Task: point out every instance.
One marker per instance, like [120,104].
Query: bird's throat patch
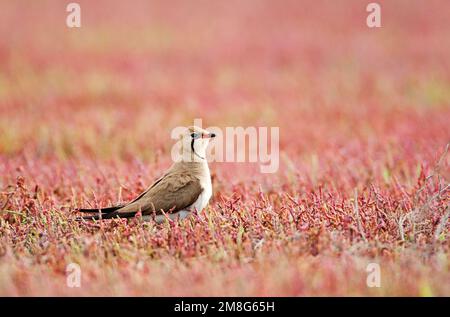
[193,149]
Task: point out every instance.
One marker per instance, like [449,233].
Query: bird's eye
[194,135]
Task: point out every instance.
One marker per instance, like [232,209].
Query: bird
[183,189]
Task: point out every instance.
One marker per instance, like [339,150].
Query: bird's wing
[173,192]
[146,191]
[111,209]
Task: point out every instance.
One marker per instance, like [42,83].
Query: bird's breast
[204,197]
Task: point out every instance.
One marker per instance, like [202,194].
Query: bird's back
[177,189]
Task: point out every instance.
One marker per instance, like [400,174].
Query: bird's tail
[100,213]
[106,210]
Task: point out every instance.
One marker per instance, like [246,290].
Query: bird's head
[194,143]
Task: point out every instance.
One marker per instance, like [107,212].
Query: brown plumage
[178,189]
[186,186]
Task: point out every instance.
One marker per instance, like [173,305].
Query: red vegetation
[86,115]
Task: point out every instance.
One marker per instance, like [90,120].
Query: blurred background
[114,88]
[86,115]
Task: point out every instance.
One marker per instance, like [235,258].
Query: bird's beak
[208,135]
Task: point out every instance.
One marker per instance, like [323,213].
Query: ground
[85,120]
